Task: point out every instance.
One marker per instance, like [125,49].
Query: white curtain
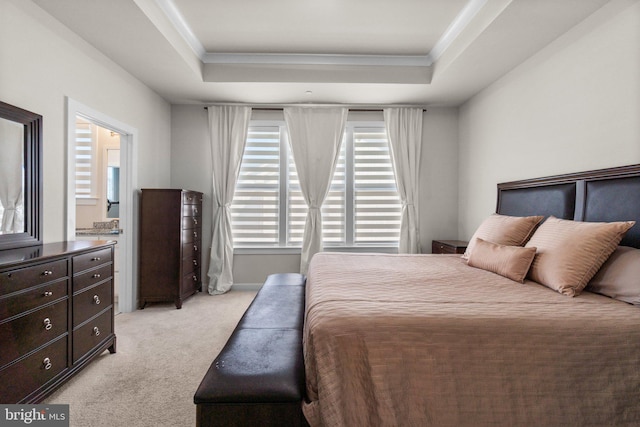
[404,129]
[12,143]
[315,135]
[228,127]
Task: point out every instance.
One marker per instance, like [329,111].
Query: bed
[444,340]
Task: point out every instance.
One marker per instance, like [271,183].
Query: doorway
[97,189]
[101,190]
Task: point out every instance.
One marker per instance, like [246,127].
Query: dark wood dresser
[448,246]
[56,315]
[170,238]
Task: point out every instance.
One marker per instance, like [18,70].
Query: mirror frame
[32,197]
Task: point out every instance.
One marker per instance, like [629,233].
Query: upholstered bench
[258,377]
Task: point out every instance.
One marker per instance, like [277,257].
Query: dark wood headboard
[601,195]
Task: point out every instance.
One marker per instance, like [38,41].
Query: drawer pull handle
[195,211]
[47,324]
[46,362]
[96,276]
[96,331]
[195,262]
[195,278]
[195,234]
[47,273]
[195,221]
[96,299]
[47,293]
[95,258]
[195,248]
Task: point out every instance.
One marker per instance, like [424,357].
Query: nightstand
[448,246]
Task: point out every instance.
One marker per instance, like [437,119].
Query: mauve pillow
[571,252]
[504,230]
[619,276]
[512,262]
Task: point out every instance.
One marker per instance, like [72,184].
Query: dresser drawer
[92,334]
[190,222]
[33,298]
[191,280]
[90,302]
[26,333]
[92,277]
[190,235]
[191,210]
[191,250]
[190,265]
[91,259]
[22,278]
[191,198]
[20,379]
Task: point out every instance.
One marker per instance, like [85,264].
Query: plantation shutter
[85,159]
[255,209]
[362,207]
[377,206]
[333,208]
[296,206]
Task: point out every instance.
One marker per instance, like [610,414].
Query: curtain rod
[356,108]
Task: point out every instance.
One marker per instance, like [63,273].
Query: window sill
[296,251]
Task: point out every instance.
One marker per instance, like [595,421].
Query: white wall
[574,106]
[42,63]
[439,176]
[191,169]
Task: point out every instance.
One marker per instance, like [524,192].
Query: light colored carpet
[162,355]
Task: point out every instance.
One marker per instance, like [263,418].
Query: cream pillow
[512,262]
[504,230]
[571,252]
[619,277]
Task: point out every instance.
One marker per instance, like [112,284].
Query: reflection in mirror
[20,177]
[11,177]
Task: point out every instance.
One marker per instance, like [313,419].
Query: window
[377,206]
[85,159]
[256,206]
[361,209]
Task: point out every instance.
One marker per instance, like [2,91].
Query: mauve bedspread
[425,340]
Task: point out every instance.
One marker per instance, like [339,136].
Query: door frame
[127,292]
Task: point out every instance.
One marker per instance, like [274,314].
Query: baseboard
[247,286]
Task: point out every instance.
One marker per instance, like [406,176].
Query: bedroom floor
[162,355]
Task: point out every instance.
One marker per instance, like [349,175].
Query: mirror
[20,177]
[113,184]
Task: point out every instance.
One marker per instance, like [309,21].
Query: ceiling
[369,52]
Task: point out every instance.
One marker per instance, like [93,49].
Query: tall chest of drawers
[170,240]
[56,315]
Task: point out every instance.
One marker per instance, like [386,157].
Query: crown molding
[460,22]
[316,59]
[169,8]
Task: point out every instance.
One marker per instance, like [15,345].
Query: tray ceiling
[423,52]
